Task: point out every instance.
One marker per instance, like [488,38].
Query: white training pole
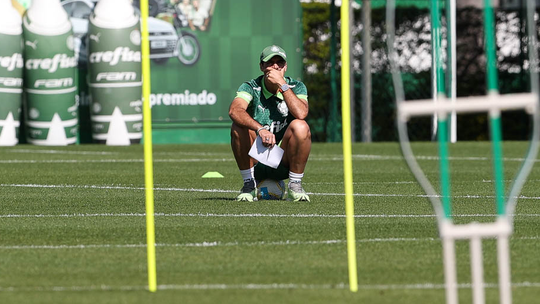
[453,77]
[503,257]
[477,270]
[450,273]
[472,104]
[434,79]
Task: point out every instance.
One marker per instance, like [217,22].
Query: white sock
[248,174]
[295,177]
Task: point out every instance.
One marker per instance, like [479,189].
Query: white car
[162,35]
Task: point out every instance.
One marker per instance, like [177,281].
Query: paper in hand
[268,156]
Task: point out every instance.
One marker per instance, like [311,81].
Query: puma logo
[95,37]
[32,44]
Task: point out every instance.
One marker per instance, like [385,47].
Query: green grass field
[73,227]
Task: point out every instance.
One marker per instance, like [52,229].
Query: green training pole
[347,154]
[498,166]
[436,47]
[444,166]
[333,116]
[442,119]
[148,158]
[489,29]
[494,116]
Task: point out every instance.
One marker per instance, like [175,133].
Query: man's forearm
[297,107]
[242,118]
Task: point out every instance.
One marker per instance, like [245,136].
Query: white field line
[236,191]
[115,187]
[61,152]
[75,161]
[216,159]
[399,157]
[413,182]
[367,183]
[247,215]
[235,244]
[202,244]
[196,153]
[253,286]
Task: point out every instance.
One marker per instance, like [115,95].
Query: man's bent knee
[300,127]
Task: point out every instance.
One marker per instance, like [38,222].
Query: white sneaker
[248,192]
[296,193]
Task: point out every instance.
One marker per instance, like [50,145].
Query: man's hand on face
[275,77]
[274,72]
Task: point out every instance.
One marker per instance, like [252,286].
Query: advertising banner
[50,69]
[201,51]
[11,73]
[114,73]
[218,48]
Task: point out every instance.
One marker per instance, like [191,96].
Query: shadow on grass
[219,198]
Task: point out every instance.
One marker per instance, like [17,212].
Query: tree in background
[414,48]
[316,32]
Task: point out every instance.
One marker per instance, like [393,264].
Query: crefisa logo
[120,54]
[12,62]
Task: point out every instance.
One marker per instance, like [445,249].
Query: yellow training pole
[347,158]
[148,159]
